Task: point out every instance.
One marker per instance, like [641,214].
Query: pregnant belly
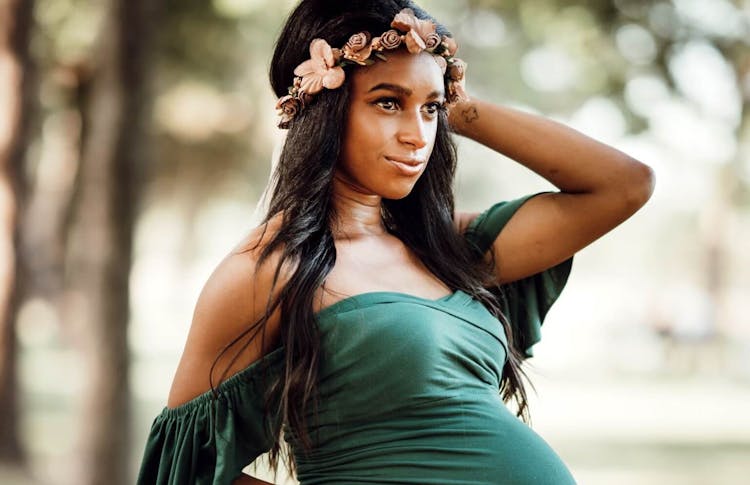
[468,438]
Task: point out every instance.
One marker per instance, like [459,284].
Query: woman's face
[393,116]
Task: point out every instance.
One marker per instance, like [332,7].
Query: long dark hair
[302,193]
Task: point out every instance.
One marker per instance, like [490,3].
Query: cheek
[354,129]
[368,137]
[433,133]
[358,150]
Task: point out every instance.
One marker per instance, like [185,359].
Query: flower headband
[324,69]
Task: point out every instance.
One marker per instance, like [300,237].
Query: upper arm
[233,298]
[551,227]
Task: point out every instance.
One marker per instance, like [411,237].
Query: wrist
[461,114]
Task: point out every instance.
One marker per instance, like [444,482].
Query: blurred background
[137,136]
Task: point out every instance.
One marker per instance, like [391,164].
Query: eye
[436,107]
[386,101]
[432,108]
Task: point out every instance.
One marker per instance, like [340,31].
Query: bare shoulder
[232,299]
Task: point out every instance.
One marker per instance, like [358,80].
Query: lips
[408,161]
[407,166]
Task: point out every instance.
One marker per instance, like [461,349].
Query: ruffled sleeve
[524,302]
[209,440]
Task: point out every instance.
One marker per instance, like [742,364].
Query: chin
[395,198]
[397,194]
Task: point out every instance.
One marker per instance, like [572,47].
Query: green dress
[409,394]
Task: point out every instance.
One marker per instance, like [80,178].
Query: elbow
[640,184]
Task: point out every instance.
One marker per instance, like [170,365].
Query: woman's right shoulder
[234,297]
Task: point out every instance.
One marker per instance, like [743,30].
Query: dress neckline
[276,356]
[356,301]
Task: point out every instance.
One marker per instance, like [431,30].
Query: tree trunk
[15,110]
[100,243]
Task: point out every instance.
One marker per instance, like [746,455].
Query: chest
[366,267]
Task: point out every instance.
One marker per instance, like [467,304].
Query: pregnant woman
[366,326]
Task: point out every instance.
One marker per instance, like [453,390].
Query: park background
[137,136]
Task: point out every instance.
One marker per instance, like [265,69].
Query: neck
[357,211]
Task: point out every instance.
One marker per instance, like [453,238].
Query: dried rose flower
[286,103]
[417,30]
[405,21]
[358,41]
[319,71]
[432,40]
[358,48]
[289,106]
[456,92]
[450,45]
[457,69]
[390,39]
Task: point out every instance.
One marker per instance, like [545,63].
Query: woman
[379,329]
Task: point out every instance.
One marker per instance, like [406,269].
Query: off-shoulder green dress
[409,394]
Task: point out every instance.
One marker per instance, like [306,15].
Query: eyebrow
[402,90]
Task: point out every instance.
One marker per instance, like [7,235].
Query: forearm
[571,161]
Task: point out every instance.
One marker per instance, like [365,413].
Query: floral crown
[324,69]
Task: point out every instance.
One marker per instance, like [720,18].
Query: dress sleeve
[524,302]
[209,440]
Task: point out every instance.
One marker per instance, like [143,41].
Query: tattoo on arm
[470,114]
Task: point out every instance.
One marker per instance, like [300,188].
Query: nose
[413,130]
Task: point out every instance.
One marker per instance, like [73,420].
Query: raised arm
[600,187]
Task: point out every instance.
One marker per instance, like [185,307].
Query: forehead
[417,72]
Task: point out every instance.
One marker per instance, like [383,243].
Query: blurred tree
[213,109]
[113,159]
[15,112]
